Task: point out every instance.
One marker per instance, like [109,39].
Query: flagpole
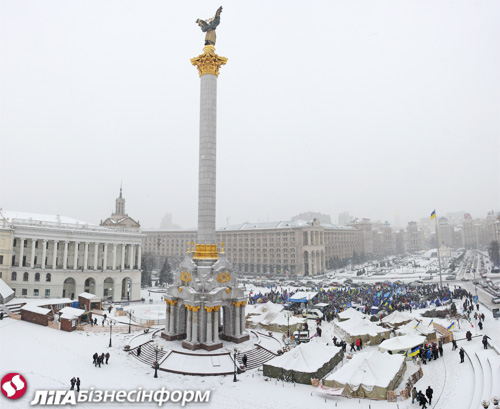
[439,258]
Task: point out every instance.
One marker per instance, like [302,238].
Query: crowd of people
[99,359]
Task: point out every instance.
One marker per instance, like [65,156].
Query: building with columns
[296,246]
[55,256]
[119,219]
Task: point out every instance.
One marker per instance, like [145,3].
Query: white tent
[303,296]
[263,308]
[401,344]
[349,314]
[397,318]
[363,329]
[273,317]
[368,374]
[306,361]
[413,329]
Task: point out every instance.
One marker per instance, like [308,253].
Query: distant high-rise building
[345,218]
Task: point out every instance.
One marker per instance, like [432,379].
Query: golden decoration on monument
[223,277]
[185,276]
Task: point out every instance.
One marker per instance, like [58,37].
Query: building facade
[295,247]
[54,256]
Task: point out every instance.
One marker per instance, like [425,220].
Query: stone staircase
[14,308]
[148,354]
[485,364]
[256,357]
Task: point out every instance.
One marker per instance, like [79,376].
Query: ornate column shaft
[242,317]
[21,251]
[86,256]
[209,325]
[75,258]
[65,256]
[44,253]
[237,320]
[208,65]
[33,253]
[188,324]
[167,318]
[216,324]
[172,319]
[54,255]
[96,255]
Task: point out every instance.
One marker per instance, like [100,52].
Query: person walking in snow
[72,382]
[413,395]
[95,356]
[428,392]
[78,384]
[139,351]
[107,357]
[485,341]
[440,349]
[245,360]
[480,325]
[423,401]
[462,354]
[454,344]
[353,348]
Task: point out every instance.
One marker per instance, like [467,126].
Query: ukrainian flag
[414,351]
[430,323]
[433,214]
[452,325]
[417,325]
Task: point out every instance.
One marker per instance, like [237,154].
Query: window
[25,276]
[37,277]
[24,291]
[35,292]
[47,293]
[15,241]
[1,259]
[48,277]
[13,276]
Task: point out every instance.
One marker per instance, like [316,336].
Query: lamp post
[110,331]
[129,319]
[234,378]
[155,346]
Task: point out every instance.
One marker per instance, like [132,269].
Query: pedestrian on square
[462,355]
[78,384]
[429,391]
[107,357]
[72,382]
[95,356]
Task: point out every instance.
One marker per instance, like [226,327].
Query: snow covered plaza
[387,110]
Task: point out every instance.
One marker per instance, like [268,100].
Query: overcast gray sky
[374,107]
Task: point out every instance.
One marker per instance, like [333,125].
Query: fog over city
[383,109]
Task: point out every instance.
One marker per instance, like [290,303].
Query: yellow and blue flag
[430,323]
[414,351]
[452,325]
[417,325]
[433,214]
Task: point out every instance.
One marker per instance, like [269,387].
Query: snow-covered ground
[48,359]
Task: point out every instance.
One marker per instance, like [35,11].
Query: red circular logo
[13,385]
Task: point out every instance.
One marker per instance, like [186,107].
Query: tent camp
[306,361]
[368,375]
[303,296]
[402,344]
[272,317]
[366,330]
[414,328]
[396,319]
[349,314]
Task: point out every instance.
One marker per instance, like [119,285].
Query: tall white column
[242,318]
[54,255]
[21,251]
[167,319]
[33,252]
[194,330]
[105,257]
[86,256]
[44,253]
[237,321]
[172,319]
[75,258]
[122,265]
[65,256]
[96,255]
[131,256]
[216,324]
[209,325]
[114,256]
[139,255]
[188,324]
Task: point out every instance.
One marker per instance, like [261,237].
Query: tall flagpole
[439,258]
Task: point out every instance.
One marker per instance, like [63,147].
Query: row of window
[36,292]
[26,276]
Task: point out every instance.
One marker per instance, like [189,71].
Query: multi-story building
[54,256]
[415,240]
[446,233]
[295,247]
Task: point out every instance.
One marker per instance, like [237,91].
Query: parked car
[451,277]
[465,279]
[495,300]
[314,314]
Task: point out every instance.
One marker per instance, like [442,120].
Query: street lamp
[110,331]
[155,346]
[234,379]
[129,319]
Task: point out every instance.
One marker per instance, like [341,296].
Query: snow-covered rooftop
[5,290]
[69,313]
[43,218]
[288,224]
[88,296]
[33,308]
[402,343]
[308,357]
